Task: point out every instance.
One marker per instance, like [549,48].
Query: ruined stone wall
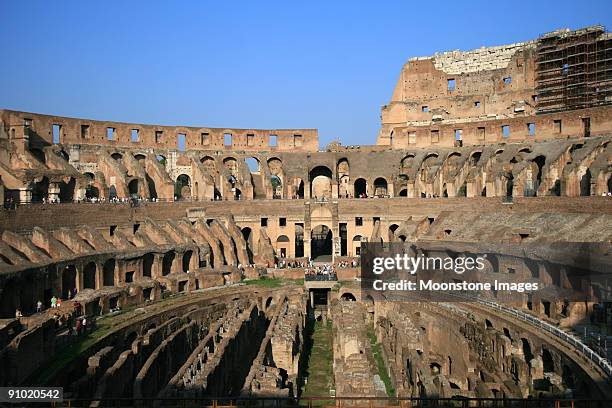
[459,349]
[36,130]
[355,370]
[493,94]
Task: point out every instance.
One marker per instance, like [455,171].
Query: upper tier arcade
[38,130]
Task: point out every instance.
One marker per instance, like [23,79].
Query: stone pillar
[79,278]
[194,262]
[177,262]
[156,268]
[100,275]
[25,195]
[53,192]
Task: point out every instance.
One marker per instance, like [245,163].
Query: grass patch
[382,369]
[265,282]
[319,365]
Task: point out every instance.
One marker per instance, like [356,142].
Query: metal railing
[601,362]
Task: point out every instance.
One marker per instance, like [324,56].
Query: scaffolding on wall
[573,69]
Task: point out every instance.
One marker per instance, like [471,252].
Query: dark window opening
[435,136]
[273,141]
[557,125]
[110,133]
[358,221]
[112,230]
[282,222]
[84,131]
[204,139]
[129,277]
[158,136]
[507,80]
[135,228]
[264,222]
[425,108]
[477,104]
[297,140]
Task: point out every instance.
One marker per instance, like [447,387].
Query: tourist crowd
[320,272]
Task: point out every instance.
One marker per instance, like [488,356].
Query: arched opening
[91,191]
[380,187]
[167,263]
[585,184]
[300,190]
[141,159]
[360,188]
[356,245]
[349,297]
[391,232]
[151,185]
[253,164]
[299,241]
[68,280]
[547,361]
[187,259]
[403,192]
[407,163]
[63,155]
[89,276]
[277,187]
[66,193]
[320,182]
[343,175]
[509,185]
[247,234]
[40,190]
[209,165]
[475,158]
[540,161]
[610,184]
[527,351]
[161,159]
[182,187]
[147,265]
[133,188]
[321,243]
[108,273]
[282,246]
[112,192]
[117,156]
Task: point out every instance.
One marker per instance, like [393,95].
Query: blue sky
[328,65]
